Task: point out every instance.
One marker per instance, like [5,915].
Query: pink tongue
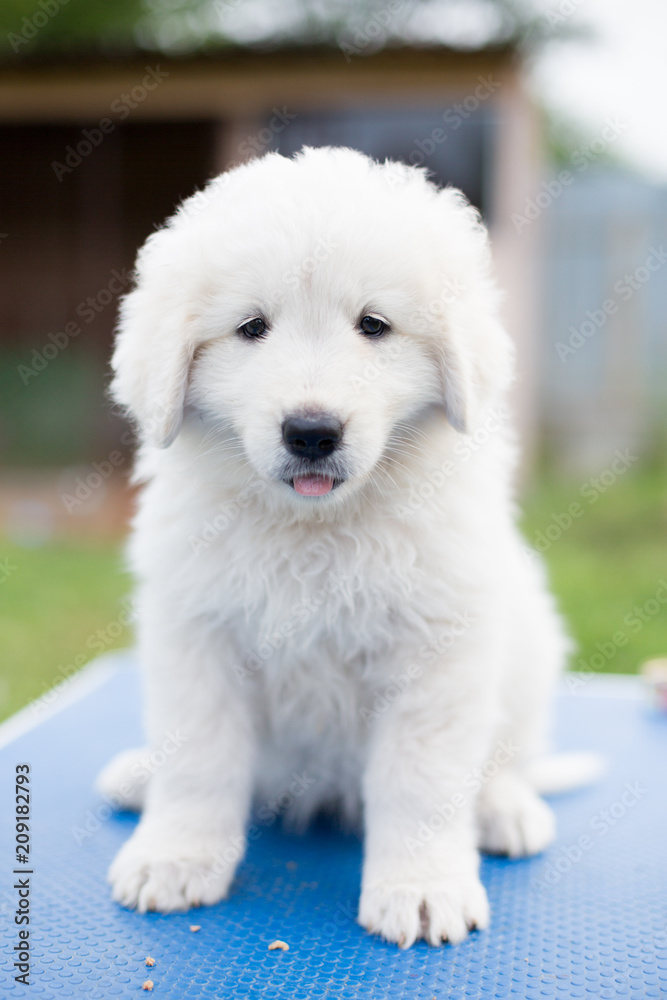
[313,486]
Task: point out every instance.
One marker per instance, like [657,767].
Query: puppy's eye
[254,328]
[373,326]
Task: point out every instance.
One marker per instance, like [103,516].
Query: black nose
[312,437]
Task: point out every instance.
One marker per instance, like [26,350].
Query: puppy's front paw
[513,819]
[440,908]
[152,873]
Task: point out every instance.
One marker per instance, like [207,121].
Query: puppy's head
[314,309]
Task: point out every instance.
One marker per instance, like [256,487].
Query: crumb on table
[148,985]
[282,945]
[195,927]
[149,960]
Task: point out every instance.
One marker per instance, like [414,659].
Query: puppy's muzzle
[312,437]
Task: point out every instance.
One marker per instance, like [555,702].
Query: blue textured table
[587,919]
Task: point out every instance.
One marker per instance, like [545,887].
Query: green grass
[62,601]
[607,565]
[61,604]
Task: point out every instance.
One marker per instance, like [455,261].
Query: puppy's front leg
[420,876]
[192,832]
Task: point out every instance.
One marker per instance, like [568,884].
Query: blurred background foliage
[42,422]
[181,26]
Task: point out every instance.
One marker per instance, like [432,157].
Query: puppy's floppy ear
[457,379]
[475,355]
[475,361]
[154,349]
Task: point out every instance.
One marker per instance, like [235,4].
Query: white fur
[368,650]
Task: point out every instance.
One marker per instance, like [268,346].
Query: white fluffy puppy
[331,584]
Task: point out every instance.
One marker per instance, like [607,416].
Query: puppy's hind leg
[511,817]
[123,780]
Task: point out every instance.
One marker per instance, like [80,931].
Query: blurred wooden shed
[94,155]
